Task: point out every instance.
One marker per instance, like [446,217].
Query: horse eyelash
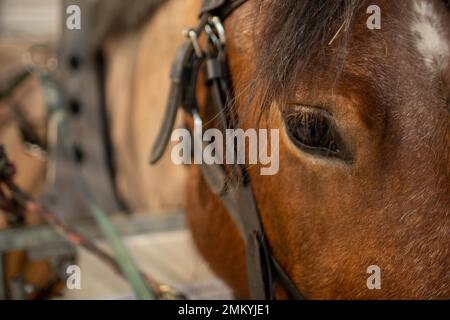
[295,118]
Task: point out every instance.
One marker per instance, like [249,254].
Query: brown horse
[364,145]
[365,140]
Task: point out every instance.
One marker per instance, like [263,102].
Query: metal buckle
[218,26]
[192,35]
[215,32]
[213,38]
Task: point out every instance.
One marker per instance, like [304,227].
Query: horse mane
[294,33]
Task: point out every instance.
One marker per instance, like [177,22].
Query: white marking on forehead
[431,41]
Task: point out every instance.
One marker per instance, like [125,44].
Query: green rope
[124,259]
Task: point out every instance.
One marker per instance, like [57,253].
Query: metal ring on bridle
[232,186]
[213,38]
[193,36]
[217,23]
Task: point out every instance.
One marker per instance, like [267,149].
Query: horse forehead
[431,33]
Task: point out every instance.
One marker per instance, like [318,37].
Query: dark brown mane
[294,34]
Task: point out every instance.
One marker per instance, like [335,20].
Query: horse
[362,112]
[364,147]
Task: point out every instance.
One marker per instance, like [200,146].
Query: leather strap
[220,8]
[179,76]
[233,189]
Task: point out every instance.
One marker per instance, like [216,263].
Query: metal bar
[29,238]
[35,238]
[44,242]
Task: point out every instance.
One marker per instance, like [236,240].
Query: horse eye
[313,131]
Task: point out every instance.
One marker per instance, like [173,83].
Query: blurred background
[30,252]
[39,19]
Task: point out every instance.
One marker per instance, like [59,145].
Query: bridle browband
[232,186]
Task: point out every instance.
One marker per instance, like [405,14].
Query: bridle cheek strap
[232,186]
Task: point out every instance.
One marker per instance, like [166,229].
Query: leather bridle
[232,186]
